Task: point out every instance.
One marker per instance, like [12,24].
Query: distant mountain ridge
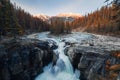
[64,16]
[43,17]
[73,15]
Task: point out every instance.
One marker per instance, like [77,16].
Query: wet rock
[55,57]
[91,44]
[94,63]
[118,78]
[43,45]
[52,44]
[23,59]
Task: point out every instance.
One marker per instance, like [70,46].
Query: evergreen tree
[9,24]
[96,22]
[59,26]
[15,21]
[116,14]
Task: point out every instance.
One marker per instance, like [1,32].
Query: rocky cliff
[23,59]
[95,63]
[96,57]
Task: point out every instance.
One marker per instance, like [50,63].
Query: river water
[63,69]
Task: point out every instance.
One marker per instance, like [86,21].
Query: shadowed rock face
[23,59]
[94,63]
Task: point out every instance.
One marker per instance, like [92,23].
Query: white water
[63,69]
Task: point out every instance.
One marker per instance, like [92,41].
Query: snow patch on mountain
[42,16]
[64,16]
[74,15]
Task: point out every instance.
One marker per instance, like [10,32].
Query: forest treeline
[15,21]
[104,21]
[60,26]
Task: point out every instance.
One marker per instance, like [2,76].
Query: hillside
[14,21]
[102,21]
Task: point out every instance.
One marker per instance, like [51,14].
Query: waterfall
[63,69]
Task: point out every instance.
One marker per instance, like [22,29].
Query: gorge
[75,56]
[88,53]
[59,47]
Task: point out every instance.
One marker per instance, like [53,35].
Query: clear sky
[54,7]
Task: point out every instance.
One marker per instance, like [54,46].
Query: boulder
[23,59]
[94,63]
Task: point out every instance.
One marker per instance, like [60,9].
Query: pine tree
[116,14]
[68,27]
[9,24]
[115,20]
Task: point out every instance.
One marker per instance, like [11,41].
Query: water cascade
[63,69]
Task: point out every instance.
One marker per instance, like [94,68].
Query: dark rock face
[23,59]
[94,63]
[53,45]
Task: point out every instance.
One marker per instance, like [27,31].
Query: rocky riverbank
[24,59]
[97,59]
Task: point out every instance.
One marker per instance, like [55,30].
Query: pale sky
[54,7]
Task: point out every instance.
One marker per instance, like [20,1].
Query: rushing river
[63,69]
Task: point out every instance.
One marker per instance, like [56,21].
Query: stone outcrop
[95,63]
[23,59]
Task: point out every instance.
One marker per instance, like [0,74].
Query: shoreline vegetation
[15,21]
